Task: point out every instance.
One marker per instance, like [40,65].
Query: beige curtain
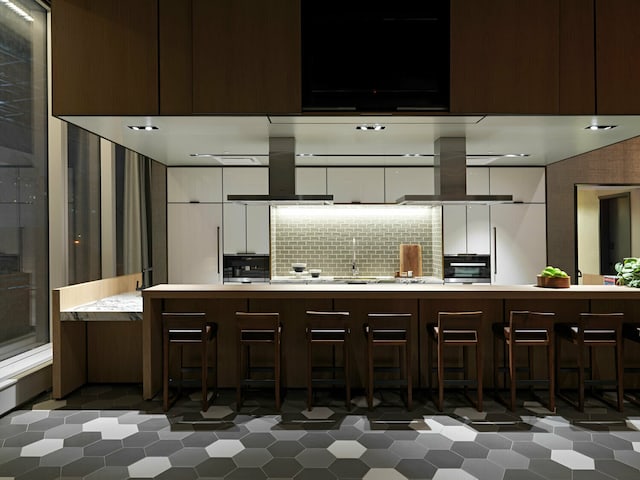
[132,258]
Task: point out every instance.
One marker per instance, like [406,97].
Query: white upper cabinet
[478,229]
[258,229]
[311,181]
[407,181]
[246,228]
[466,229]
[194,184]
[356,185]
[245,180]
[526,184]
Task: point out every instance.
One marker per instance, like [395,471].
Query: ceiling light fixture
[201,155]
[599,127]
[413,155]
[515,155]
[375,126]
[12,6]
[137,128]
[305,155]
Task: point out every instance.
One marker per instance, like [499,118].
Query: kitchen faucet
[354,268]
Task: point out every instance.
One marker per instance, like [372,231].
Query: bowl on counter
[315,272]
[298,267]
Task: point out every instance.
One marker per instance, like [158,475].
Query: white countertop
[122,307]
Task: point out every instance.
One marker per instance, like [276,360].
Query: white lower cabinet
[466,229]
[518,238]
[193,242]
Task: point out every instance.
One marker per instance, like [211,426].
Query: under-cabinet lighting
[599,127]
[515,155]
[366,126]
[16,9]
[145,128]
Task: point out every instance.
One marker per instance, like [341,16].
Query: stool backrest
[389,322]
[320,320]
[185,322]
[459,326]
[601,327]
[525,326]
[257,321]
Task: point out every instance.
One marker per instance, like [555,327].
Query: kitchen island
[220,302]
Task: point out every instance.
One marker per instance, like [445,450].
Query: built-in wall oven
[467,268]
[245,269]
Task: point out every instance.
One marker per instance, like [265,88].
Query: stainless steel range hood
[282,178]
[450,178]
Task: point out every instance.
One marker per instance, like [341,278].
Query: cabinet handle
[495,250]
[218,246]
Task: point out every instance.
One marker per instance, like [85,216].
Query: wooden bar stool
[525,329]
[455,329]
[255,329]
[179,329]
[389,330]
[631,332]
[329,329]
[592,330]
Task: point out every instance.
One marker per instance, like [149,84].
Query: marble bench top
[122,307]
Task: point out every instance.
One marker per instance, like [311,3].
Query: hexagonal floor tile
[149,467]
[573,460]
[318,413]
[224,448]
[217,411]
[346,449]
[383,474]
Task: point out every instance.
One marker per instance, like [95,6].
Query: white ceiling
[335,140]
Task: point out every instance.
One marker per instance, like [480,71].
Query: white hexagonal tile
[552,441]
[149,467]
[42,447]
[110,428]
[573,460]
[383,474]
[217,411]
[318,413]
[346,449]
[635,423]
[452,474]
[636,446]
[224,448]
[460,433]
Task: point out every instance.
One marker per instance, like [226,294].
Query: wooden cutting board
[411,259]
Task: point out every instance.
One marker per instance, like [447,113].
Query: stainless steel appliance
[245,268]
[467,268]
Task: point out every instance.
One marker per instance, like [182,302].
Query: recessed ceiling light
[146,128]
[304,155]
[375,126]
[599,127]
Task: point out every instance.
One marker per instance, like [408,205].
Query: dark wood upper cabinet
[104,57]
[246,56]
[617,54]
[521,57]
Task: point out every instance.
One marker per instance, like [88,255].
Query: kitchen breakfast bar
[220,302]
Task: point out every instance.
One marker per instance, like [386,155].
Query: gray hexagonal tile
[547,468]
[380,458]
[375,440]
[470,449]
[215,467]
[188,457]
[531,450]
[349,468]
[315,474]
[282,468]
[252,457]
[286,448]
[593,450]
[383,474]
[444,459]
[494,441]
[258,440]
[483,469]
[315,458]
[408,449]
[418,469]
[508,459]
[316,440]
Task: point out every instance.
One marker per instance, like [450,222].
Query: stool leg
[440,375]
[495,365]
[465,366]
[277,369]
[407,355]
[215,367]
[479,373]
[165,375]
[620,374]
[239,375]
[204,374]
[581,377]
[369,372]
[347,368]
[551,369]
[309,374]
[512,376]
[429,364]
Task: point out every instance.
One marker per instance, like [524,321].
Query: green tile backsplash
[322,237]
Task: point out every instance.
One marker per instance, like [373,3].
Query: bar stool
[455,329]
[332,329]
[525,329]
[181,329]
[255,329]
[593,330]
[388,330]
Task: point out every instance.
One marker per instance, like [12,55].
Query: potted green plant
[628,272]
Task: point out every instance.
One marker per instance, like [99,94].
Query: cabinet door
[105,57]
[478,229]
[466,229]
[407,181]
[193,242]
[526,184]
[258,229]
[617,51]
[504,56]
[356,185]
[311,181]
[235,228]
[519,243]
[245,180]
[246,56]
[194,184]
[478,180]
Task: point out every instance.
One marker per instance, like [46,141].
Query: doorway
[615,231]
